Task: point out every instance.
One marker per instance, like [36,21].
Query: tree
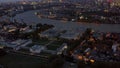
[30,26]
[2,52]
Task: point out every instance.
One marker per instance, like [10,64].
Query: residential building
[37,48]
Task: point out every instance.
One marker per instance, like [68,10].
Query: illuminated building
[115,3]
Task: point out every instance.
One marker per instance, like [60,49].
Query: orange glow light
[80,57]
[92,61]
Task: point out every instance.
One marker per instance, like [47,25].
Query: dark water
[30,18]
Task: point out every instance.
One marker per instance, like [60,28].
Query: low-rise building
[61,48]
[58,50]
[37,49]
[26,30]
[71,35]
[16,45]
[51,33]
[114,47]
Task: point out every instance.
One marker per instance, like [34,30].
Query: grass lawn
[41,41]
[24,50]
[58,42]
[30,45]
[45,54]
[54,45]
[20,61]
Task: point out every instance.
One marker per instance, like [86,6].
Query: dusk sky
[10,0]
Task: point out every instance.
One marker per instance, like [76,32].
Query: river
[30,18]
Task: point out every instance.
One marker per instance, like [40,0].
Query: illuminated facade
[115,3]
